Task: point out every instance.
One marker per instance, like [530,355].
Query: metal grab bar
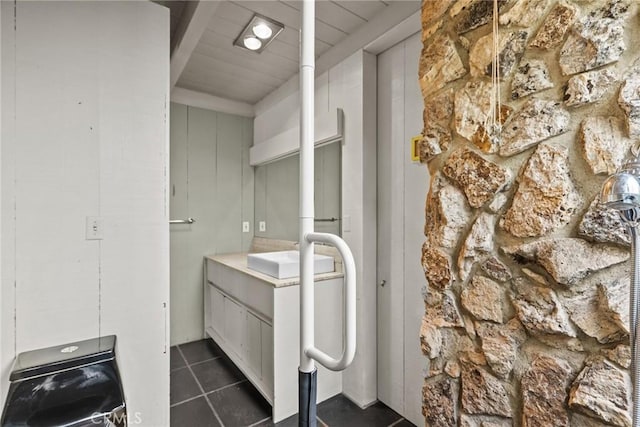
[182,221]
[349,350]
[332,219]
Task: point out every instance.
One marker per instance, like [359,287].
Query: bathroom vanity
[254,318]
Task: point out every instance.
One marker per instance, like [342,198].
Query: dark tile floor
[207,390]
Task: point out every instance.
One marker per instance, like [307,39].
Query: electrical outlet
[263,226]
[245,226]
[93,228]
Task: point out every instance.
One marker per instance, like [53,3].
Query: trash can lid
[61,357]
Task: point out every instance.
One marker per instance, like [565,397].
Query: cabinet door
[266,331]
[217,310]
[254,344]
[235,321]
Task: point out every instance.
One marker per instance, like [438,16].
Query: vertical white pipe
[307,66]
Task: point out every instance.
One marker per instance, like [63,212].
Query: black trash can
[72,385]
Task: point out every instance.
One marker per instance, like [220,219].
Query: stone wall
[526,303]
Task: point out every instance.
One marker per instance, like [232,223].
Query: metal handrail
[182,221]
[349,350]
[332,219]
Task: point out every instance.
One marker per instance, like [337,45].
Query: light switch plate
[245,226]
[93,228]
[262,225]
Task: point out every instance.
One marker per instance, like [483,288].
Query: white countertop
[238,261]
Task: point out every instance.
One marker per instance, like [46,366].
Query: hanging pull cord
[493,123]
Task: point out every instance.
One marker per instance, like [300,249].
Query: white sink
[286,264]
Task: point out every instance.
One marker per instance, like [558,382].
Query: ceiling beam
[195,18]
[211,102]
[400,32]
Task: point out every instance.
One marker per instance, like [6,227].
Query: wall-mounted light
[258,33]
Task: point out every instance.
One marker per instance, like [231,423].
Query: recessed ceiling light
[262,30]
[258,33]
[252,43]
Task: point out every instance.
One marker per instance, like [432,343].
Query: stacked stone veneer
[526,303]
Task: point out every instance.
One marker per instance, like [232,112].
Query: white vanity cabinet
[254,318]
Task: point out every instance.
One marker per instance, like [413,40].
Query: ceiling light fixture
[252,43]
[262,31]
[258,33]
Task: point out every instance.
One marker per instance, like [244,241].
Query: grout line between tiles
[204,361]
[185,401]
[260,422]
[225,386]
[396,422]
[215,413]
[205,393]
[322,423]
[178,369]
[181,356]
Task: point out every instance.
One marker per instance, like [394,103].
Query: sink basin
[286,264]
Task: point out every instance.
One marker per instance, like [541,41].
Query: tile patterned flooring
[207,390]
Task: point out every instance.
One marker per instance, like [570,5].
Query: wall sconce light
[258,33]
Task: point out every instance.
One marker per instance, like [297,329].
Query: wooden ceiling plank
[331,14]
[339,17]
[267,64]
[226,44]
[207,63]
[296,4]
[234,13]
[366,9]
[223,40]
[221,81]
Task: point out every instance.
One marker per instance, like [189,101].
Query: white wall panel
[402,188]
[1,210]
[57,178]
[228,197]
[212,182]
[90,139]
[7,217]
[391,152]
